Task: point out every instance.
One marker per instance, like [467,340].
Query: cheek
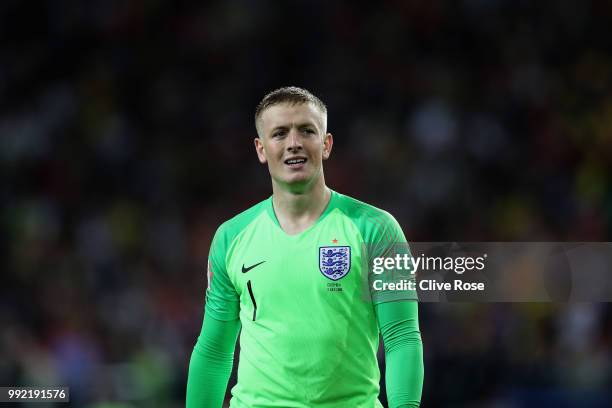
[321,151]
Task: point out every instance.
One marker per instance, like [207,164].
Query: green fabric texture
[307,309]
[399,326]
[212,358]
[211,363]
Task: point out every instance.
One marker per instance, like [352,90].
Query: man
[291,272]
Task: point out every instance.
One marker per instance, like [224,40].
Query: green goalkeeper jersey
[309,333]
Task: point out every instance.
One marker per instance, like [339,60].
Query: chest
[325,265]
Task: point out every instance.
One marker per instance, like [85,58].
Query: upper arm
[222,300]
[385,239]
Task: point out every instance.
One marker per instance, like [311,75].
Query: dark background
[126,134]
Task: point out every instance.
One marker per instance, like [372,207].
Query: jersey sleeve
[222,300]
[211,363]
[404,372]
[384,239]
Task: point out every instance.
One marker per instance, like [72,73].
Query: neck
[296,211]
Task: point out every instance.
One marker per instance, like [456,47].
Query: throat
[298,213]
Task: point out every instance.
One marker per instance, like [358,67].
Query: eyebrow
[300,125]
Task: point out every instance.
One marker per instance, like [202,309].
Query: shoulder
[371,221]
[232,227]
[240,221]
[354,208]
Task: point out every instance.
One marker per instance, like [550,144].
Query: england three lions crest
[335,261]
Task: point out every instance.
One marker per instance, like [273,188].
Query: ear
[328,143]
[259,148]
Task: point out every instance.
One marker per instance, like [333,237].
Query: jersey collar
[330,206]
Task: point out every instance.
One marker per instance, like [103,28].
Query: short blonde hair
[291,95]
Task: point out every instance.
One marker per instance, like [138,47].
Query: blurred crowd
[126,134]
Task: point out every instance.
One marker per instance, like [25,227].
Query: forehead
[287,114]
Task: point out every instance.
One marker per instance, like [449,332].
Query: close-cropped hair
[291,95]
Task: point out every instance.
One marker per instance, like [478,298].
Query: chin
[295,177]
[296,184]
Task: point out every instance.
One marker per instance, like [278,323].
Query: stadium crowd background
[126,138]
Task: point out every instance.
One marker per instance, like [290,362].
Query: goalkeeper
[291,272]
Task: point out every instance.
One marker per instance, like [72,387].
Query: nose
[294,142]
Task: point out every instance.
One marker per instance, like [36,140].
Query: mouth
[296,162]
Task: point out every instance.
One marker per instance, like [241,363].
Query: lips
[295,161]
